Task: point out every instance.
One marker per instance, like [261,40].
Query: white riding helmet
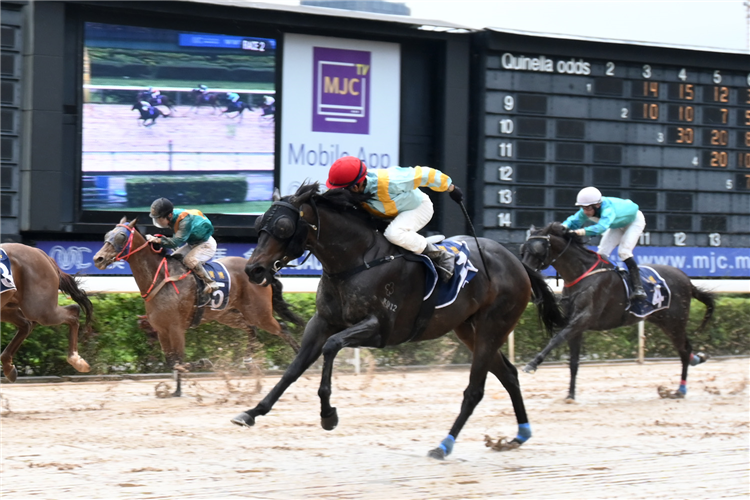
[588,196]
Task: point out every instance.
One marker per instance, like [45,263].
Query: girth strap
[365,266]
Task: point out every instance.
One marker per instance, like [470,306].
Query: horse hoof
[330,421]
[438,453]
[570,401]
[11,374]
[529,369]
[244,420]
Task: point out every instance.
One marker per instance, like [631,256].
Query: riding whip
[474,234]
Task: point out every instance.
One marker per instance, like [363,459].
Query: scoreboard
[667,128]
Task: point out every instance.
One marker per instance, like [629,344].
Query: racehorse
[205,99]
[595,298]
[160,100]
[236,107]
[172,309]
[379,302]
[148,113]
[31,300]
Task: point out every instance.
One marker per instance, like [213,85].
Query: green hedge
[194,189]
[119,345]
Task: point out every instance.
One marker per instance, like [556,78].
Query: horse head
[545,245]
[282,235]
[118,243]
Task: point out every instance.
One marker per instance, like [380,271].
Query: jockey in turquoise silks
[193,237]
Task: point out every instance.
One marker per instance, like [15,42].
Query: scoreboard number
[505,173]
[679,239]
[714,239]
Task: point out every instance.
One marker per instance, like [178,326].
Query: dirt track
[116,440]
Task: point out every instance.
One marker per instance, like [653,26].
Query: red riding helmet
[346,172]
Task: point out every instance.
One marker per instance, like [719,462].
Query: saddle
[658,295]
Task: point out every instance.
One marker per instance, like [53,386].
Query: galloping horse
[595,300]
[160,100]
[31,300]
[148,113]
[205,99]
[370,295]
[236,107]
[172,309]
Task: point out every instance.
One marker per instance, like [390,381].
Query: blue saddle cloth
[658,296]
[462,274]
[220,297]
[6,276]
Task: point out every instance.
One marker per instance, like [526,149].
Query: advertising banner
[341,97]
[696,262]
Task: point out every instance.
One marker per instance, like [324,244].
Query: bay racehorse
[594,298]
[31,299]
[371,295]
[159,100]
[171,305]
[236,107]
[201,99]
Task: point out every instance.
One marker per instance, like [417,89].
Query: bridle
[128,244]
[284,222]
[543,264]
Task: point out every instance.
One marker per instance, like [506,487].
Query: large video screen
[185,115]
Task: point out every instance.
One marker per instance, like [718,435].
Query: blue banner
[696,262]
[78,257]
[227,42]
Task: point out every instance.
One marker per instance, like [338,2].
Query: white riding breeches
[194,254]
[402,230]
[626,237]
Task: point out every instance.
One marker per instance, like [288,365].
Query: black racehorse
[595,298]
[201,99]
[160,100]
[148,112]
[370,295]
[236,107]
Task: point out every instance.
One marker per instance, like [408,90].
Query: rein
[163,263]
[590,271]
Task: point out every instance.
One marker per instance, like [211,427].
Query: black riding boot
[443,259]
[637,292]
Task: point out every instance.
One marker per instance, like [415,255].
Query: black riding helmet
[161,208]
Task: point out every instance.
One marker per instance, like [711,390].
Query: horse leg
[15,316]
[266,321]
[354,336]
[570,331]
[679,339]
[473,394]
[507,374]
[574,343]
[316,333]
[71,313]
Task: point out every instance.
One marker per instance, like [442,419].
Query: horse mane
[344,201]
[557,229]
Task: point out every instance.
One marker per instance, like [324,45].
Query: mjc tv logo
[341,90]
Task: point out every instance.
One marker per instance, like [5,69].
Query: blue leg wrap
[683,388]
[696,359]
[447,444]
[524,432]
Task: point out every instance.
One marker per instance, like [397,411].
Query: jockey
[192,237]
[268,100]
[147,107]
[395,195]
[620,221]
[233,97]
[153,93]
[202,89]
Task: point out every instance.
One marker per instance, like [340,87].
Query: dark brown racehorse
[171,308]
[371,295]
[34,302]
[594,298]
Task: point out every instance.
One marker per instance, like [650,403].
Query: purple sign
[341,91]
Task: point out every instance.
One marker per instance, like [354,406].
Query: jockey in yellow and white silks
[395,194]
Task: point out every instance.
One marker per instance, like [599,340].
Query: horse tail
[280,306]
[70,285]
[709,299]
[548,308]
